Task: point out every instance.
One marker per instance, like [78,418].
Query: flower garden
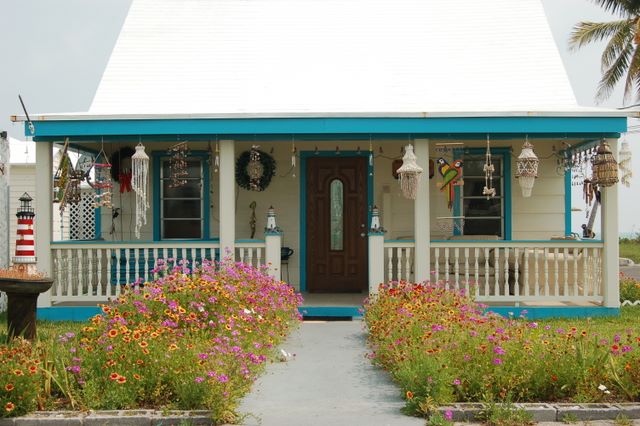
[440,348]
[191,339]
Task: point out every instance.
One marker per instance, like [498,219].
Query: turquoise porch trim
[156,158]
[545,312]
[304,155]
[420,126]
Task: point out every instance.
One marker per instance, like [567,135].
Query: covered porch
[510,250]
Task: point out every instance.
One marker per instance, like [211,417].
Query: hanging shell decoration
[140,185]
[488,169]
[255,169]
[178,170]
[605,167]
[409,174]
[625,164]
[527,164]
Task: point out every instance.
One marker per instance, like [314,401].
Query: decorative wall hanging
[409,174]
[140,185]
[451,174]
[62,165]
[103,183]
[294,151]
[488,169]
[178,170]
[527,165]
[605,167]
[252,219]
[625,164]
[255,176]
[121,163]
[216,163]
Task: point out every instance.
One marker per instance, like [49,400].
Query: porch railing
[95,271]
[509,271]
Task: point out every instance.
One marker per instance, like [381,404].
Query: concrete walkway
[328,382]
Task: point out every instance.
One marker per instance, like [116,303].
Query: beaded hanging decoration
[488,169]
[140,185]
[178,165]
[103,185]
[625,164]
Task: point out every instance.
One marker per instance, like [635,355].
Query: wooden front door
[336,224]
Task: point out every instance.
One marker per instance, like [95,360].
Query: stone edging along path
[542,412]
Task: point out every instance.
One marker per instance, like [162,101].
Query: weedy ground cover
[440,348]
[191,339]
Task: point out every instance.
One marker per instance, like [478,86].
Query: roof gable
[333,56]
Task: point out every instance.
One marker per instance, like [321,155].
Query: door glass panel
[337,206]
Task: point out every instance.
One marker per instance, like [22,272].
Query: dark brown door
[336,224]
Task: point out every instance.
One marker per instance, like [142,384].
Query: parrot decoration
[451,175]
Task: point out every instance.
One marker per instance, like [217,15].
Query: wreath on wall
[254,170]
[119,160]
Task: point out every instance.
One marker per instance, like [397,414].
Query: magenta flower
[497,361]
[499,351]
[456,382]
[448,415]
[199,379]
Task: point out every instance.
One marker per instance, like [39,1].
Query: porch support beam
[422,217]
[610,236]
[43,220]
[227,199]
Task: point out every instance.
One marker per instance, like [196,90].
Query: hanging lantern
[255,169]
[625,164]
[527,164]
[409,174]
[605,167]
[140,185]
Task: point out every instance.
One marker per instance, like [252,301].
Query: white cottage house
[333,92]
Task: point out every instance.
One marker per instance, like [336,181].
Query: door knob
[363,235]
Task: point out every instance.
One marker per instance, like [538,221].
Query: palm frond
[633,77]
[613,74]
[617,43]
[588,32]
[620,7]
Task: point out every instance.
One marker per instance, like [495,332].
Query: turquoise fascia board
[601,126]
[545,312]
[303,200]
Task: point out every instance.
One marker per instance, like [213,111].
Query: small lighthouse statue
[25,258]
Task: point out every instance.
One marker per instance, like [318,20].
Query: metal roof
[334,58]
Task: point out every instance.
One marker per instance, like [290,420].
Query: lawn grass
[630,249]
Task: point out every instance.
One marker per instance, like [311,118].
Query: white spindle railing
[252,253]
[508,271]
[94,272]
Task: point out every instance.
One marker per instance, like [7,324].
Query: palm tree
[621,57]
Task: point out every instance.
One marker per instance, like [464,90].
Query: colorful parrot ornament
[451,175]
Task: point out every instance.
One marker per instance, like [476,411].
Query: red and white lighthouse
[25,258]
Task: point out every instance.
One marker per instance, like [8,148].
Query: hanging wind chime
[625,164]
[488,169]
[178,165]
[140,185]
[527,164]
[294,151]
[255,169]
[409,174]
[605,167]
[103,184]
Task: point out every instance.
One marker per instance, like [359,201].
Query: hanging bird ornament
[451,176]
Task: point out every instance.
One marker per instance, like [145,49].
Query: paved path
[631,271]
[328,382]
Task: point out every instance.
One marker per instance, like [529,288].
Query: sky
[53,53]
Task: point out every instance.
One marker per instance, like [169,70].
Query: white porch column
[273,245]
[610,237]
[227,199]
[422,219]
[376,261]
[44,214]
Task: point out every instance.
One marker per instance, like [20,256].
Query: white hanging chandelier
[140,185]
[409,173]
[527,164]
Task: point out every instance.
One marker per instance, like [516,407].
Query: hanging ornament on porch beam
[625,164]
[409,174]
[605,167]
[140,185]
[294,151]
[103,184]
[488,169]
[255,169]
[178,165]
[527,165]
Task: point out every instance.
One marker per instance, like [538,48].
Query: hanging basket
[254,170]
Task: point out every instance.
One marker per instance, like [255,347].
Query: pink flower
[497,361]
[448,415]
[456,382]
[499,351]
